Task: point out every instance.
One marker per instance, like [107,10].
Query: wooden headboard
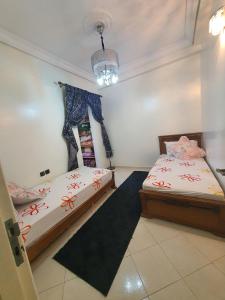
[197,136]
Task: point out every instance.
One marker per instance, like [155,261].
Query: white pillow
[21,195]
[170,145]
[169,148]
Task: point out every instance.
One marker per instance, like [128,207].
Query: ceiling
[60,31]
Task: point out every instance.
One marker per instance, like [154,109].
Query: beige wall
[32,116]
[213,104]
[165,101]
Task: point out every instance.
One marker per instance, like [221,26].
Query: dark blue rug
[95,252]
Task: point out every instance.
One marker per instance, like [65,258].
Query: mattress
[187,177]
[66,193]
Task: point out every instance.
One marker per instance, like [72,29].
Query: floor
[164,261]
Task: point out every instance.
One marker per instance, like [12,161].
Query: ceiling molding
[13,40]
[161,62]
[192,8]
[127,71]
[144,63]
[189,29]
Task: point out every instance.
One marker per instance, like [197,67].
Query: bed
[184,191]
[69,196]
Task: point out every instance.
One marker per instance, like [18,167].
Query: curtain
[94,102]
[76,107]
[75,110]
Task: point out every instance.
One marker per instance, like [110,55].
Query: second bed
[184,191]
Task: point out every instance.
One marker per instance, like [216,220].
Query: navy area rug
[95,252]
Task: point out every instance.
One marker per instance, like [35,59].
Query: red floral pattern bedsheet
[66,193]
[187,177]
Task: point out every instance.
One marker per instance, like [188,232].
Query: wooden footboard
[193,211]
[47,238]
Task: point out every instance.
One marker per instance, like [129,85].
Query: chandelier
[217,23]
[105,62]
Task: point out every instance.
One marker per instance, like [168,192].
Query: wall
[213,95]
[164,101]
[32,116]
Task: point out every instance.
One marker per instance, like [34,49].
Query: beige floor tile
[50,251]
[183,255]
[175,291]
[127,253]
[155,269]
[48,274]
[69,275]
[55,293]
[211,246]
[141,220]
[207,284]
[161,230]
[220,264]
[122,173]
[80,290]
[141,239]
[127,285]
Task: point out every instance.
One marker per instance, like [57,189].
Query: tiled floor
[164,261]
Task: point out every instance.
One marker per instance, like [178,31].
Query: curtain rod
[61,84]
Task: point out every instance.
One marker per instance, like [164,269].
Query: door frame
[16,281]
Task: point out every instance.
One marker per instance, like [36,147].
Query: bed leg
[113,186]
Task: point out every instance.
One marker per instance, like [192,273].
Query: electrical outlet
[47,171]
[42,173]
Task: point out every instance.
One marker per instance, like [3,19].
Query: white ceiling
[140,31]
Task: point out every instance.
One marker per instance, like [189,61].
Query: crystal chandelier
[105,63]
[217,22]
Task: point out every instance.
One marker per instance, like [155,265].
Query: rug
[95,252]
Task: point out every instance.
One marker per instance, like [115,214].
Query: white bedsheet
[186,177]
[67,193]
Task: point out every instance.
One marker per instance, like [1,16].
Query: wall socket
[45,172]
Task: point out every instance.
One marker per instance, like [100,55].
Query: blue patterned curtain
[76,106]
[75,110]
[94,102]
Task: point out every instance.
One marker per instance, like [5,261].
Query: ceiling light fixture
[105,62]
[217,22]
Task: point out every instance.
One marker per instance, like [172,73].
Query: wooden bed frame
[47,238]
[193,211]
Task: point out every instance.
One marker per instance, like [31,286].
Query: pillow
[169,148]
[21,195]
[187,149]
[194,152]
